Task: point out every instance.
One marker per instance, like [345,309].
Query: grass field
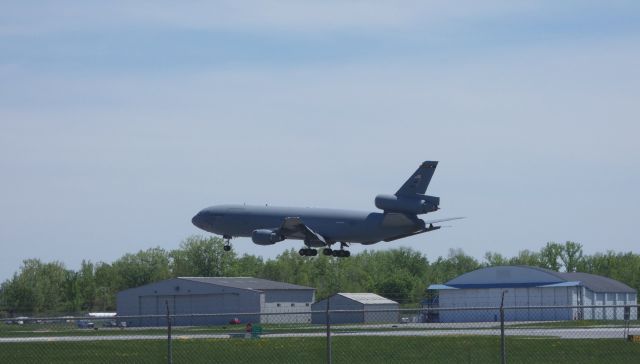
[346,349]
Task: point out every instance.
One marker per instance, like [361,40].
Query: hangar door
[184,306]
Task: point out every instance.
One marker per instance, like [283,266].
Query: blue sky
[120,120]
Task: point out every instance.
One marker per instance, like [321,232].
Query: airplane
[321,228]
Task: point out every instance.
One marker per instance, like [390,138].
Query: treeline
[402,274]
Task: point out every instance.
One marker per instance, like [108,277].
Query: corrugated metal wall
[338,303]
[373,315]
[366,313]
[534,296]
[186,297]
[615,299]
[518,297]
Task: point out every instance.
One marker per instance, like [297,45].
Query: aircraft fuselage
[318,227]
[333,224]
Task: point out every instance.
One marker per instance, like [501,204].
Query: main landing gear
[227,243]
[341,253]
[337,253]
[308,252]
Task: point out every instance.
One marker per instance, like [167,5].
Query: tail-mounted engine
[415,205]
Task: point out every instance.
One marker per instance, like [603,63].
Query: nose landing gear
[227,243]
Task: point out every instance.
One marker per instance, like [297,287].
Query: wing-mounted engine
[415,205]
[266,237]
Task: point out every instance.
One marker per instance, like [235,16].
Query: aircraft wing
[429,227]
[293,227]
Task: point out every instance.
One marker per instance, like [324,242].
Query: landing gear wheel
[308,252]
[327,251]
[227,242]
[341,253]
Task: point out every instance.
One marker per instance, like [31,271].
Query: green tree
[571,255]
[146,266]
[293,268]
[526,257]
[86,286]
[401,274]
[455,264]
[106,283]
[397,287]
[550,256]
[494,259]
[202,257]
[37,288]
[326,274]
[248,266]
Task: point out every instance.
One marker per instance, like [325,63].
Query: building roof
[526,276]
[598,283]
[258,284]
[367,298]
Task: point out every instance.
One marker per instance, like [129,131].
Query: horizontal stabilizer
[428,227]
[429,222]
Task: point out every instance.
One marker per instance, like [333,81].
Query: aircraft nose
[200,220]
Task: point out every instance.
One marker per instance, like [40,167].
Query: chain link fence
[558,334]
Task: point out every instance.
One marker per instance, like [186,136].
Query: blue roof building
[531,289]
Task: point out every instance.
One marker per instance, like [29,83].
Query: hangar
[367,307]
[531,287]
[246,298]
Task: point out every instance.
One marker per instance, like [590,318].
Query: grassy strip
[578,323]
[35,330]
[61,330]
[352,350]
[44,331]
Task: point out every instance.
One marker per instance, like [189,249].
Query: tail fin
[419,180]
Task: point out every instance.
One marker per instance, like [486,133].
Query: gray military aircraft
[318,227]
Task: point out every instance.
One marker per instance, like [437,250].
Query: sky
[121,120]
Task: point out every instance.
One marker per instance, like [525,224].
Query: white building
[357,308]
[530,289]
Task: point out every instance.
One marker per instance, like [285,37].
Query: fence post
[503,351]
[328,318]
[627,323]
[169,348]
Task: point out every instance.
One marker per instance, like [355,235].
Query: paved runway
[564,333]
